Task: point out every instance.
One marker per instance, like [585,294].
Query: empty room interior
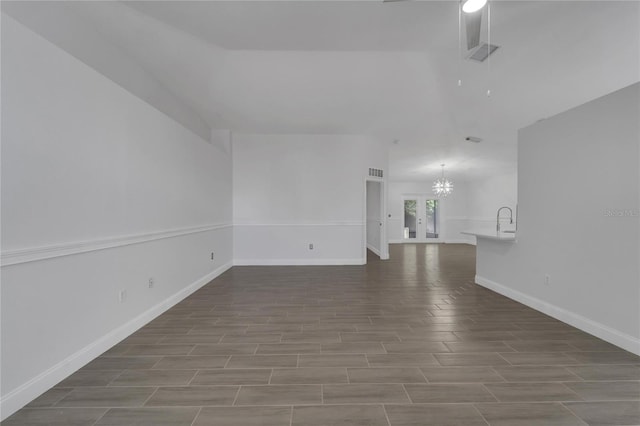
[314,213]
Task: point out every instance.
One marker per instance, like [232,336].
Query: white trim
[381,224]
[336,223]
[297,262]
[459,241]
[435,241]
[375,250]
[30,390]
[414,241]
[33,254]
[623,340]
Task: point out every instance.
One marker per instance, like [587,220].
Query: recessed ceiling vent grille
[482,52]
[376,172]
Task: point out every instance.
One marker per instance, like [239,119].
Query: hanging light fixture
[470,6]
[442,186]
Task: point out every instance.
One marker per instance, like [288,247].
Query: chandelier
[442,186]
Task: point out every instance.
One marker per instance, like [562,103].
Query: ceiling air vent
[482,52]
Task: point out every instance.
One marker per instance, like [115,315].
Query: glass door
[431,212]
[421,218]
[411,219]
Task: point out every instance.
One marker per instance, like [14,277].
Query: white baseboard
[297,262]
[459,241]
[30,390]
[432,241]
[613,336]
[375,250]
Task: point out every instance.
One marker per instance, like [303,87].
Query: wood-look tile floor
[408,341]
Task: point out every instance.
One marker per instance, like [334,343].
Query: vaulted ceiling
[389,70]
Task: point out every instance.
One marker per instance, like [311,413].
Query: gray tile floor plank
[400,360]
[55,417]
[532,392]
[191,362]
[545,373]
[263,361]
[434,415]
[193,396]
[279,395]
[606,372]
[106,397]
[470,359]
[90,378]
[333,360]
[244,416]
[442,393]
[617,413]
[607,391]
[160,416]
[364,394]
[461,375]
[50,397]
[339,415]
[312,375]
[288,348]
[386,375]
[533,414]
[122,363]
[231,376]
[154,378]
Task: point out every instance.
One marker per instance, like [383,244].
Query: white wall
[294,190]
[100,192]
[578,194]
[374,216]
[487,195]
[453,210]
[59,23]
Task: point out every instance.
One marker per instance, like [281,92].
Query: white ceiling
[385,69]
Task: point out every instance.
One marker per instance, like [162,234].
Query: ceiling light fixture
[442,186]
[470,6]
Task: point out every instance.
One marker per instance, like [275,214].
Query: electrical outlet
[151,282]
[212,256]
[547,280]
[311,246]
[122,296]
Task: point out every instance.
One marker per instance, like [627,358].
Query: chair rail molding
[33,254]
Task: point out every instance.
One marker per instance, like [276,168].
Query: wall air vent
[376,172]
[482,52]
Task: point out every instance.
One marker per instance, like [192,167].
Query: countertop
[492,235]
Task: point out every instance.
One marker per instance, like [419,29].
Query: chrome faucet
[498,217]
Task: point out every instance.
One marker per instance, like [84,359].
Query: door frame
[420,199]
[384,244]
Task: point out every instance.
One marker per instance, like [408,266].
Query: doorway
[375,230]
[421,219]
